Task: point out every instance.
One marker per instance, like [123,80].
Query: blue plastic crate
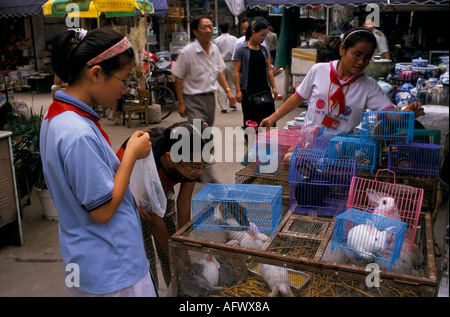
[415,159]
[389,126]
[361,244]
[320,186]
[261,204]
[363,151]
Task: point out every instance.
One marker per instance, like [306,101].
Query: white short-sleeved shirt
[79,168]
[362,94]
[198,70]
[382,44]
[226,43]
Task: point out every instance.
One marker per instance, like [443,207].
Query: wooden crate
[310,274]
[249,175]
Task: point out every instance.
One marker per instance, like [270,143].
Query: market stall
[338,205]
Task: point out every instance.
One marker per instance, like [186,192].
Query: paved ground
[36,268]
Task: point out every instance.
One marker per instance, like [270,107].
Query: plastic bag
[146,186]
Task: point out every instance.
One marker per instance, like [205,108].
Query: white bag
[146,186]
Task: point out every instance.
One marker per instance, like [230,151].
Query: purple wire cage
[415,159]
[320,186]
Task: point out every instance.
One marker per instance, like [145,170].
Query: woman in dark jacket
[253,72]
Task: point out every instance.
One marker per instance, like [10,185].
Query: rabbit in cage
[278,279]
[410,262]
[313,186]
[367,241]
[231,210]
[201,278]
[240,231]
[250,238]
[384,205]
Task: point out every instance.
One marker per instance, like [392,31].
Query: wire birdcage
[272,148]
[373,238]
[364,152]
[324,135]
[320,186]
[401,202]
[243,207]
[388,126]
[415,159]
[429,136]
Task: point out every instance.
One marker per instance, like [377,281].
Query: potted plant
[27,159]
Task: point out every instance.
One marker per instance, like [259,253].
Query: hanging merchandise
[236,7]
[173,11]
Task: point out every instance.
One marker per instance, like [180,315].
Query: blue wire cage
[388,126]
[258,204]
[324,135]
[320,186]
[415,159]
[363,151]
[389,234]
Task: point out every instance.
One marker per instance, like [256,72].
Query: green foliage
[27,157]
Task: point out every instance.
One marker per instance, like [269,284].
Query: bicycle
[156,82]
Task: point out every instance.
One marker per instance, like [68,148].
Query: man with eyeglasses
[198,69]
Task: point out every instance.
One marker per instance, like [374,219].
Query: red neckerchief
[339,97]
[58,107]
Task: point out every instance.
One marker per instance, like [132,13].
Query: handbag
[261,99]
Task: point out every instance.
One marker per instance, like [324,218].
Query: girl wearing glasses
[99,224]
[172,172]
[338,92]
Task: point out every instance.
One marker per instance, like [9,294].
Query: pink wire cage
[285,141]
[408,202]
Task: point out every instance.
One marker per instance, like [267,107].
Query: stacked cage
[414,159]
[319,186]
[273,148]
[428,136]
[364,152]
[388,126]
[399,202]
[367,236]
[240,210]
[324,135]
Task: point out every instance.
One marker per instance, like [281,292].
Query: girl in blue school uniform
[99,224]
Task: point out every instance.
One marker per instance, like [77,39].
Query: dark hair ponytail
[171,136]
[257,24]
[69,56]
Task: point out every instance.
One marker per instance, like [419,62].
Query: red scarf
[58,107]
[339,97]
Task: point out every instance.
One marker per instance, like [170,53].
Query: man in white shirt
[198,69]
[382,44]
[226,42]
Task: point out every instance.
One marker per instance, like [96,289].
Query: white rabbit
[278,279]
[211,271]
[409,262]
[367,241]
[250,238]
[201,278]
[384,206]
